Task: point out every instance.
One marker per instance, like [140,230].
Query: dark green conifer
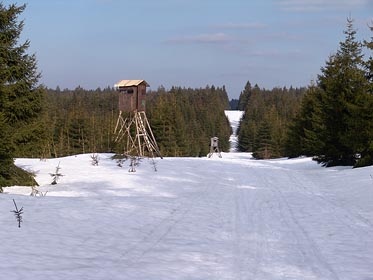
[244,97]
[343,84]
[303,132]
[263,145]
[336,116]
[20,98]
[363,111]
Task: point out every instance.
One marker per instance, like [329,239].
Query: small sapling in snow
[36,192]
[154,164]
[120,162]
[120,159]
[18,213]
[134,162]
[56,176]
[95,159]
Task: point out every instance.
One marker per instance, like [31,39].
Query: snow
[195,218]
[234,118]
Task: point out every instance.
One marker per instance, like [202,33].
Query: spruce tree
[6,152]
[343,84]
[246,132]
[369,63]
[244,97]
[363,112]
[303,135]
[263,145]
[20,98]
[336,116]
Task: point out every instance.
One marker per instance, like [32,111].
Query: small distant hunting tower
[135,128]
[214,147]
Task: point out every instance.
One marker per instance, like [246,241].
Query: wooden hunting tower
[132,95]
[214,147]
[135,128]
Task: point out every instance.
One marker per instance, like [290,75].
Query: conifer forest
[83,121]
[330,120]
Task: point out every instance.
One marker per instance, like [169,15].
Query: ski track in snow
[196,218]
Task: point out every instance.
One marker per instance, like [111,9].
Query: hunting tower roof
[130,83]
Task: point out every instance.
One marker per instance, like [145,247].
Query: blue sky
[191,43]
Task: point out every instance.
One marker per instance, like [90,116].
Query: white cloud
[276,53]
[319,5]
[214,38]
[282,36]
[248,25]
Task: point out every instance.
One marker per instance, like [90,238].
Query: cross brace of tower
[136,131]
[214,150]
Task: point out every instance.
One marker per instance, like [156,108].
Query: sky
[188,43]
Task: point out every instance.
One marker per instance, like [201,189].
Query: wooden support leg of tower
[120,122]
[131,146]
[214,150]
[143,138]
[123,131]
[145,131]
[218,152]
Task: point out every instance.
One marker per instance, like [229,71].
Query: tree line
[331,120]
[268,113]
[184,119]
[83,121]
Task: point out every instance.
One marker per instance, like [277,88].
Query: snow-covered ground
[195,218]
[234,119]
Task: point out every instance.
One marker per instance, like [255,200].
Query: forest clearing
[195,218]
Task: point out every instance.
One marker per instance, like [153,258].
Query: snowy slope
[196,218]
[234,119]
